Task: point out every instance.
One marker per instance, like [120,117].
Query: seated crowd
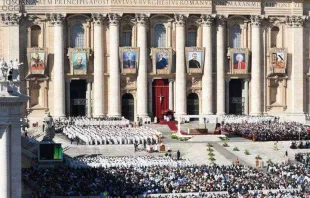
[112,134]
[268,130]
[86,121]
[141,161]
[303,158]
[156,178]
[300,145]
[246,119]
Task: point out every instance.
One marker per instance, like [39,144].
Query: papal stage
[138,58]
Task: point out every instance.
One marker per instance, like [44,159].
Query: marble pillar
[98,110]
[257,69]
[227,99]
[142,70]
[10,145]
[221,56]
[68,97]
[59,74]
[114,84]
[171,98]
[246,96]
[89,99]
[150,95]
[180,77]
[297,76]
[207,78]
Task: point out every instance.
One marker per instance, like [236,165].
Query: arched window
[77,39]
[35,36]
[126,35]
[192,36]
[159,36]
[274,36]
[235,36]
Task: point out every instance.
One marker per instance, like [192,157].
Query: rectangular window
[191,39]
[126,39]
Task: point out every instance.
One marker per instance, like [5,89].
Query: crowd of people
[100,161]
[268,130]
[152,177]
[247,119]
[86,121]
[94,135]
[303,158]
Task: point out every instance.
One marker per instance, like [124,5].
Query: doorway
[78,97]
[236,101]
[128,106]
[160,97]
[193,105]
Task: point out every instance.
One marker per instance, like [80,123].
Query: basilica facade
[139,58]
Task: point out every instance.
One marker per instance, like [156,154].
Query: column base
[298,117]
[221,113]
[114,115]
[256,113]
[97,116]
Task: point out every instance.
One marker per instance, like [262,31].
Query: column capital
[207,19]
[179,19]
[98,18]
[227,80]
[246,80]
[11,18]
[221,20]
[114,18]
[256,20]
[171,80]
[142,19]
[295,21]
[56,18]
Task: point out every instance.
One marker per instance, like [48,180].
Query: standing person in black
[178,155]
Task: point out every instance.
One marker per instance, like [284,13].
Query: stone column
[10,145]
[5,159]
[297,77]
[68,97]
[256,73]
[114,84]
[59,74]
[98,65]
[11,21]
[89,99]
[171,94]
[207,78]
[227,99]
[180,77]
[150,95]
[246,96]
[142,69]
[221,55]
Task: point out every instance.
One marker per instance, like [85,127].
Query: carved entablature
[56,19]
[276,21]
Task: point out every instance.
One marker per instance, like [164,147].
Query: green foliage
[258,157]
[209,145]
[210,149]
[270,161]
[211,154]
[246,152]
[236,149]
[225,145]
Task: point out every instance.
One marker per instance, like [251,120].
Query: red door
[160,97]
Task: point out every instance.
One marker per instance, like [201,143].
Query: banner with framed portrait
[278,60]
[194,59]
[129,59]
[239,60]
[37,60]
[79,60]
[162,60]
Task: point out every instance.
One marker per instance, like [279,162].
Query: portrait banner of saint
[194,59]
[278,59]
[129,57]
[37,60]
[239,60]
[162,60]
[79,60]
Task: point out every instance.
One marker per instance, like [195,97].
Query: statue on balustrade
[48,127]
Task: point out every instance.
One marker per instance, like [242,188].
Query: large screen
[50,152]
